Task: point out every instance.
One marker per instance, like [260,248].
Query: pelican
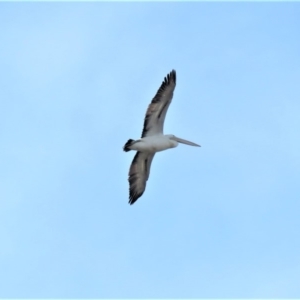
[153,140]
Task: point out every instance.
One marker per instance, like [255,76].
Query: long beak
[185,141]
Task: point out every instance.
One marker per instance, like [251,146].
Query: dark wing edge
[138,175]
[166,89]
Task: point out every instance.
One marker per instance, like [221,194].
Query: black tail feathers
[127,145]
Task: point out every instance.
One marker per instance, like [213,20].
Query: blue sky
[217,221]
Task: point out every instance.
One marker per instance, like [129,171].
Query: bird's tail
[127,145]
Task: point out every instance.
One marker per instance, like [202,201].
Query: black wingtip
[131,200]
[134,198]
[171,76]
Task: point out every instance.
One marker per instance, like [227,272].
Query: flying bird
[153,140]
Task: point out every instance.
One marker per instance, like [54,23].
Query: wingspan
[156,112]
[139,174]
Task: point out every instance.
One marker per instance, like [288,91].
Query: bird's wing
[138,175]
[157,109]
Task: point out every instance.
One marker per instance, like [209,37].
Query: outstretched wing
[156,112]
[139,174]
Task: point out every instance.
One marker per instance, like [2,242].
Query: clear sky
[217,221]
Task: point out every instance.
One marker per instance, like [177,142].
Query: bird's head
[182,141]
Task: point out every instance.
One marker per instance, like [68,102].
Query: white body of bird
[154,144]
